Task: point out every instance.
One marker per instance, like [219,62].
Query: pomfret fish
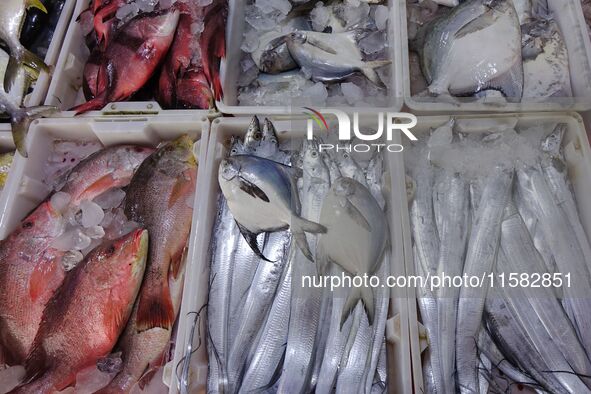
[85,316]
[356,239]
[331,57]
[272,55]
[454,42]
[545,60]
[262,197]
[157,200]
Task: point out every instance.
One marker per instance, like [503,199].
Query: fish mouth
[229,169]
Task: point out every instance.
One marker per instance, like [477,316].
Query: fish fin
[42,277]
[146,378]
[481,22]
[100,186]
[36,4]
[276,43]
[350,304]
[95,104]
[21,121]
[302,242]
[155,309]
[181,187]
[322,261]
[35,62]
[367,299]
[12,73]
[252,189]
[300,225]
[354,213]
[176,262]
[320,45]
[368,69]
[510,83]
[251,239]
[36,363]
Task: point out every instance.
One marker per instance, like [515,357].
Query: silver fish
[266,356]
[272,55]
[452,208]
[331,57]
[305,302]
[545,60]
[262,197]
[480,257]
[454,42]
[350,378]
[357,237]
[563,241]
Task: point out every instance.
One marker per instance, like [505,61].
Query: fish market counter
[246,321]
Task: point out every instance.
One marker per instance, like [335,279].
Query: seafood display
[164,50]
[488,203]
[288,211]
[93,274]
[524,59]
[314,52]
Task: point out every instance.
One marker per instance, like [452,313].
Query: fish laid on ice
[262,197]
[272,56]
[331,57]
[157,199]
[12,17]
[30,268]
[84,318]
[356,239]
[545,60]
[133,56]
[455,42]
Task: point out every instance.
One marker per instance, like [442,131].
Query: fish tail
[95,104]
[155,308]
[121,383]
[298,227]
[21,120]
[363,294]
[369,71]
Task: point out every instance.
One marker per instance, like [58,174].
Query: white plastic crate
[196,289]
[66,92]
[578,158]
[569,16]
[230,68]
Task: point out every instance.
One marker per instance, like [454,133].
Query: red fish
[92,70]
[213,43]
[133,55]
[192,91]
[104,20]
[84,318]
[30,269]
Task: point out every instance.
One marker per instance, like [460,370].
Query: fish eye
[258,136]
[345,156]
[314,154]
[27,225]
[234,151]
[110,250]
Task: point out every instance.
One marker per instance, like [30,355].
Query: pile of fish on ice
[506,206]
[285,214]
[512,50]
[27,36]
[314,53]
[144,49]
[92,278]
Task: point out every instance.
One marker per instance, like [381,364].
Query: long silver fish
[350,378]
[563,241]
[454,42]
[305,302]
[545,60]
[262,197]
[480,258]
[331,57]
[268,352]
[452,209]
[542,310]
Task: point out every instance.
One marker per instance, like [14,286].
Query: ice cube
[381,16]
[197,27]
[92,214]
[93,244]
[373,43]
[110,199]
[316,94]
[249,72]
[71,259]
[352,92]
[11,377]
[268,6]
[203,3]
[128,227]
[95,232]
[127,11]
[90,380]
[146,5]
[59,201]
[319,16]
[251,41]
[68,240]
[355,12]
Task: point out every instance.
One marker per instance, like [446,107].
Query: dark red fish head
[193,92]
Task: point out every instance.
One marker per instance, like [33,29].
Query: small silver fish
[331,57]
